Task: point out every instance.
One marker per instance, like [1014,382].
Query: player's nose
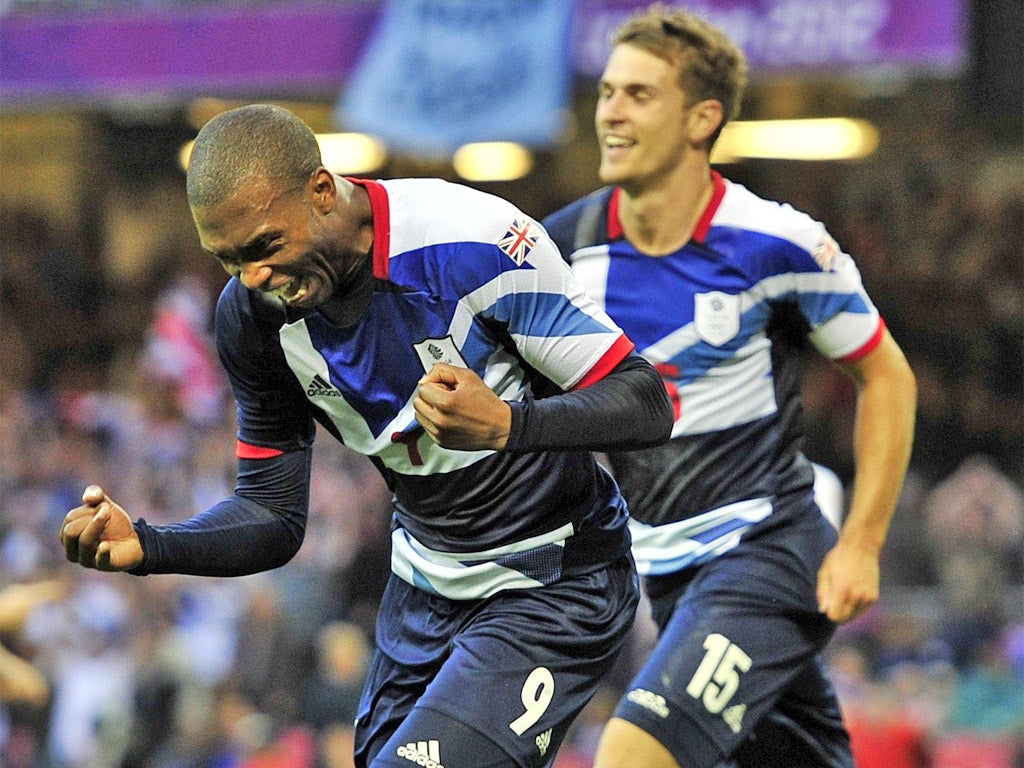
[254,276]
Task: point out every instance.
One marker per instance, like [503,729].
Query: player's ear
[322,189]
[703,120]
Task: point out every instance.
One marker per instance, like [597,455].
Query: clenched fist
[99,534]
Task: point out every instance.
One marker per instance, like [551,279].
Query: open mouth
[292,292]
[617,142]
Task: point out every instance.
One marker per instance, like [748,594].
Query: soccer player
[746,577]
[437,330]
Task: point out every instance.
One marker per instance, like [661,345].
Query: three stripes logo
[423,753]
[543,742]
[318,387]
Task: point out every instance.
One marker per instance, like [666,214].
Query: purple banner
[230,49]
[311,48]
[795,35]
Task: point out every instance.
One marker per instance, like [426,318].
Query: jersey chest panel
[690,309]
[365,378]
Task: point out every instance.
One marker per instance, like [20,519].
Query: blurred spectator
[985,727]
[975,526]
[21,682]
[179,352]
[84,642]
[330,701]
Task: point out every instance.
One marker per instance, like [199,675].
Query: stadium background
[106,375]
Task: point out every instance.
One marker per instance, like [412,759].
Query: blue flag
[437,74]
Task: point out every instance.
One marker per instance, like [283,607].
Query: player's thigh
[624,745]
[529,661]
[434,740]
[803,730]
[721,664]
[516,671]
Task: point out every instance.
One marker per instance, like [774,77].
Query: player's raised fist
[99,534]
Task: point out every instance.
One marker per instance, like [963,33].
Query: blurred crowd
[107,375]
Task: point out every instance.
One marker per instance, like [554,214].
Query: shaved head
[259,143]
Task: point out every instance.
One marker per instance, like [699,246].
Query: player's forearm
[259,528]
[883,436]
[625,410]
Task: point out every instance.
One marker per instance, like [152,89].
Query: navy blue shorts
[491,682]
[736,677]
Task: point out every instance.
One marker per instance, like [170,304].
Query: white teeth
[616,141]
[291,291]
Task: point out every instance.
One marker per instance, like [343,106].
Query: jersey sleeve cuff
[615,355]
[868,346]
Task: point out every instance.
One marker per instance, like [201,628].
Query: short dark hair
[258,142]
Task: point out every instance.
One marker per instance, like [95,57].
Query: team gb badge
[443,350]
[716,316]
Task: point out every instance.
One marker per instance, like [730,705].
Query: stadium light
[344,153]
[492,161]
[353,153]
[831,138]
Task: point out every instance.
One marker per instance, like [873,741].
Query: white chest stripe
[467,575]
[306,361]
[747,392]
[668,548]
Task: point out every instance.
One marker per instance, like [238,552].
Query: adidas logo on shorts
[649,700]
[426,754]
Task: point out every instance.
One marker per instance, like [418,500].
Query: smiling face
[641,118]
[296,245]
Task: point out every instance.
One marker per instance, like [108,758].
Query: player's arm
[625,409]
[848,581]
[20,681]
[261,526]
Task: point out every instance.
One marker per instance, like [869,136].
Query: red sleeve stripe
[246,451]
[869,345]
[622,347]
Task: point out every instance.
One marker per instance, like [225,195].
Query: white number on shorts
[538,690]
[718,676]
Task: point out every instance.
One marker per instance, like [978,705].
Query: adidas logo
[733,717]
[543,742]
[649,700]
[426,754]
[320,388]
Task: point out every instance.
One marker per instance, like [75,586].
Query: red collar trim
[381,210]
[614,226]
[700,232]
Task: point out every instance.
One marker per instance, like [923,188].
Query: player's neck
[660,218]
[349,304]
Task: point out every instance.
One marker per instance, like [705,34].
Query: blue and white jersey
[712,318]
[465,278]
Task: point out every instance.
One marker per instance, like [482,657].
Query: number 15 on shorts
[718,674]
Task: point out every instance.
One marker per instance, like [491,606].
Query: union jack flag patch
[519,240]
[825,253]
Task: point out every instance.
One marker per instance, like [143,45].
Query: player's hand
[99,534]
[848,582]
[20,682]
[17,601]
[459,411]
